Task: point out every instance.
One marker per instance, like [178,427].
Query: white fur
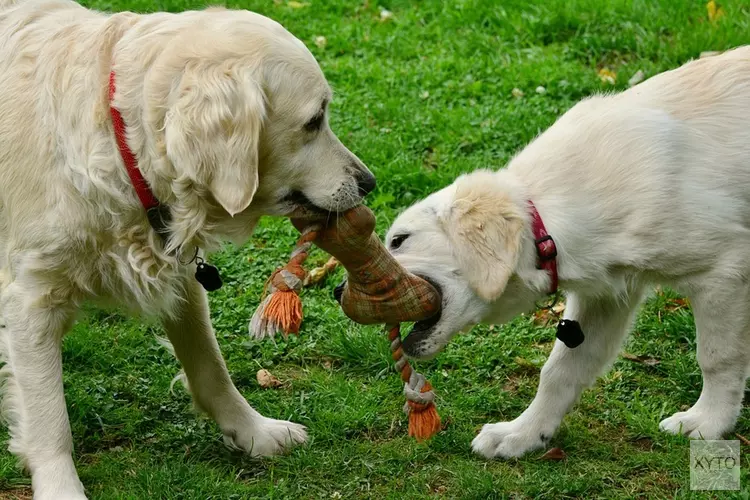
[648,186]
[215,104]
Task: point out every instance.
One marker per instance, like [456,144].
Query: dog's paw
[696,425]
[508,440]
[268,437]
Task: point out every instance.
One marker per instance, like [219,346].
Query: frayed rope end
[424,421]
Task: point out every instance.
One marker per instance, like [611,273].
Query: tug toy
[377,290]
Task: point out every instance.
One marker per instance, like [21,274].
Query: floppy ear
[484,228]
[213,133]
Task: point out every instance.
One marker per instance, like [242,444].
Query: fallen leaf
[321,42]
[606,75]
[424,95]
[646,360]
[267,380]
[676,304]
[386,15]
[714,11]
[543,317]
[636,78]
[742,438]
[517,93]
[297,5]
[555,454]
[317,275]
[559,307]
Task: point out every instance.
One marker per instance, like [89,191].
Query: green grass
[420,98]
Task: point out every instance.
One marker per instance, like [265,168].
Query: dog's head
[473,240]
[245,125]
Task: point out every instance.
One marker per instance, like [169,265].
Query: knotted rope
[424,421]
[281,312]
[281,309]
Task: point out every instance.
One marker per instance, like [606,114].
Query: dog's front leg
[212,389]
[605,322]
[35,316]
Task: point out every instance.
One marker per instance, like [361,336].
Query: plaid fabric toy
[378,290]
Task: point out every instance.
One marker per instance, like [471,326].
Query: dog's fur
[649,186]
[227,114]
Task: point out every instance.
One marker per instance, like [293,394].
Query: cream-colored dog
[648,186]
[226,113]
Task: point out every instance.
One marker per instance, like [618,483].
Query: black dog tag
[208,276]
[569,332]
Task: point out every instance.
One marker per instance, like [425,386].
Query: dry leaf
[554,454]
[517,93]
[637,78]
[321,42]
[742,438]
[297,5]
[714,11]
[267,380]
[606,75]
[317,275]
[645,360]
[675,304]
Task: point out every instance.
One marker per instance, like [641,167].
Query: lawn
[423,92]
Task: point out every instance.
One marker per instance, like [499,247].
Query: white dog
[225,114]
[648,186]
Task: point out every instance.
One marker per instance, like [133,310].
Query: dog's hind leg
[212,389]
[722,320]
[605,323]
[36,315]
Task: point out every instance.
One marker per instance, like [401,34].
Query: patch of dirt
[16,494]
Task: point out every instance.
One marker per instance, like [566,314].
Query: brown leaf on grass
[677,304]
[555,454]
[645,360]
[319,273]
[606,75]
[267,380]
[550,313]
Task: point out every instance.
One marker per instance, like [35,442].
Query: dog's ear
[213,132]
[484,227]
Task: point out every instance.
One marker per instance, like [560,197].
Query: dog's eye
[315,124]
[398,240]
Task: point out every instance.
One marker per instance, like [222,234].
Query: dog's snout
[366,182]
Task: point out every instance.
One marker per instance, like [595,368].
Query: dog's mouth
[421,330]
[302,206]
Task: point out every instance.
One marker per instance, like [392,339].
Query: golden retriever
[648,186]
[226,114]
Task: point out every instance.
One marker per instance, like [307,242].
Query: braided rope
[418,392]
[274,315]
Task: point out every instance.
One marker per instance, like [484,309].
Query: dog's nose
[366,183]
[338,292]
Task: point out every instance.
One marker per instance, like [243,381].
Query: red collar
[546,250]
[158,214]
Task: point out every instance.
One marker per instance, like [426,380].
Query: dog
[625,191]
[224,115]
